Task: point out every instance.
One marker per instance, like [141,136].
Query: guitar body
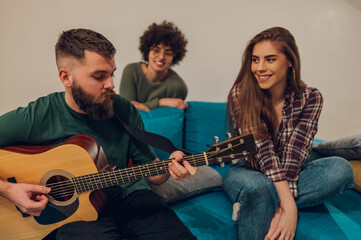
[73,170]
[76,157]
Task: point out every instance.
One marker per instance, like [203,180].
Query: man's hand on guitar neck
[179,171]
[28,198]
[176,170]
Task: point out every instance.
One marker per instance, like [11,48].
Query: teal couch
[208,214]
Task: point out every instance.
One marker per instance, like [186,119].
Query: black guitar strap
[149,138]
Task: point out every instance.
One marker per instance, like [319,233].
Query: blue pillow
[167,122]
[203,121]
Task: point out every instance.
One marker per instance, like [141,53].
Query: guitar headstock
[231,149]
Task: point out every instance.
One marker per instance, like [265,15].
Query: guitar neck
[115,177]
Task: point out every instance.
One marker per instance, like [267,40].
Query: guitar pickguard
[55,213]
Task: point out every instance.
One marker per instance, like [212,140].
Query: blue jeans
[319,180]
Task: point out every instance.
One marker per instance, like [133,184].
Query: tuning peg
[222,164]
[216,139]
[229,135]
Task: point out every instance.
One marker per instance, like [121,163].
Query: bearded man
[86,66]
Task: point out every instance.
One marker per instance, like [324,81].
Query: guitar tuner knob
[216,139]
[222,164]
[241,141]
[229,135]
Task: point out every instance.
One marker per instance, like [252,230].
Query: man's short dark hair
[74,42]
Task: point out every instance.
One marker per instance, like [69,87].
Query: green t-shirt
[135,86]
[49,119]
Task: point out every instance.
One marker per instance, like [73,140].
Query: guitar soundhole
[62,189]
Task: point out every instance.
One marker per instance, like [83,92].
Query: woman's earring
[293,73]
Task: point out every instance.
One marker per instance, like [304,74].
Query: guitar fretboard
[114,177]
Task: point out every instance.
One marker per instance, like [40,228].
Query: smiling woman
[152,83]
[270,100]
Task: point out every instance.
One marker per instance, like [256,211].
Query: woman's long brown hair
[250,108]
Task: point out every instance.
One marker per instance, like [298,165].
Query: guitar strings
[99,180]
[69,190]
[65,191]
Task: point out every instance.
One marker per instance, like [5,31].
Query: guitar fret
[83,189]
[194,161]
[165,167]
[103,181]
[121,176]
[77,189]
[133,175]
[112,177]
[127,176]
[156,169]
[148,169]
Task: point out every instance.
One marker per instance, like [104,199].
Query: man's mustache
[105,96]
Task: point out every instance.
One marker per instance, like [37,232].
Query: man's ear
[65,77]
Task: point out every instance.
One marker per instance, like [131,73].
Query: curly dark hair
[75,41]
[169,35]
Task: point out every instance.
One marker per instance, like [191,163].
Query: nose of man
[109,83]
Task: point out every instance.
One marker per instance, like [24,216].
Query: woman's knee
[343,170]
[256,189]
[337,172]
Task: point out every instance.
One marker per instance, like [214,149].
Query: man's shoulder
[127,112]
[123,105]
[51,99]
[45,100]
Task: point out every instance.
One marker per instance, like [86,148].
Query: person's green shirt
[135,86]
[49,119]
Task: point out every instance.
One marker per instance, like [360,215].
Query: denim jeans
[319,180]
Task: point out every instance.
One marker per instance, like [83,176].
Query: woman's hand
[283,225]
[284,222]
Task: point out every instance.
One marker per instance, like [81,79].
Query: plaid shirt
[283,160]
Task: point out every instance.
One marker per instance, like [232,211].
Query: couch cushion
[205,180]
[165,121]
[208,216]
[168,122]
[347,147]
[203,121]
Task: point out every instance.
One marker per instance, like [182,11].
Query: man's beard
[98,108]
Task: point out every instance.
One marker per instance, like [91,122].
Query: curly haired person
[152,83]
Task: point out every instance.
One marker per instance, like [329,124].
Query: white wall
[328,33]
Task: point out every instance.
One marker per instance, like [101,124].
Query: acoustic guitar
[76,169]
